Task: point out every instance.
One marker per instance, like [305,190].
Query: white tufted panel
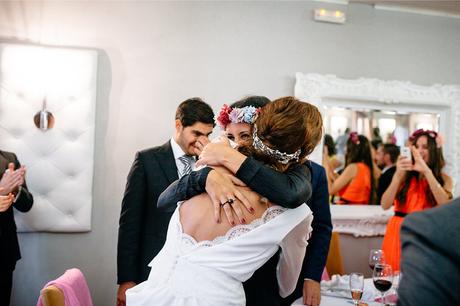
[59,161]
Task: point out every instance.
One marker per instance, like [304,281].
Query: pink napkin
[73,285]
[390,298]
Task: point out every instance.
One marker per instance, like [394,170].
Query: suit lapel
[167,162]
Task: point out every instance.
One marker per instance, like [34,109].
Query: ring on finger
[229,202]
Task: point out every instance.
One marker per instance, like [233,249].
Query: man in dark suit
[387,155]
[431,256]
[143,226]
[12,185]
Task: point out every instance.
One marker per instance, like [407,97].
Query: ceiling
[442,7]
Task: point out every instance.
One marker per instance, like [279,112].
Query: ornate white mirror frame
[329,90]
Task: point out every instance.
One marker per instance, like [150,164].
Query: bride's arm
[292,255]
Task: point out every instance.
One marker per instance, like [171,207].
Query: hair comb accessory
[227,114]
[281,157]
[354,138]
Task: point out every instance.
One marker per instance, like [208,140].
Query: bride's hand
[221,188]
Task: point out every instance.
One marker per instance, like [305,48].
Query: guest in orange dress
[356,184]
[416,185]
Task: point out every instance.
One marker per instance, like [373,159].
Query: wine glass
[376,256]
[356,286]
[392,294]
[383,278]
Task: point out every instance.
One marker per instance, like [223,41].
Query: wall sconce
[44,120]
[331,16]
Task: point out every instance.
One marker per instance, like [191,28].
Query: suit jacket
[430,257]
[9,246]
[290,190]
[385,181]
[143,226]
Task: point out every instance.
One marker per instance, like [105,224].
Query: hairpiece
[227,114]
[354,138]
[281,157]
[438,138]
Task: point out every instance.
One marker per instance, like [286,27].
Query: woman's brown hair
[287,125]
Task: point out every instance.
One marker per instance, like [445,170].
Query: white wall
[155,54]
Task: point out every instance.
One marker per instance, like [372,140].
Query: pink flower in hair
[439,140]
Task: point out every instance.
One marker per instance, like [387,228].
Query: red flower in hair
[223,118]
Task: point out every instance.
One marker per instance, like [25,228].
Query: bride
[205,263]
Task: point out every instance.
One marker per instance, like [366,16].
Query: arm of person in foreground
[423,282]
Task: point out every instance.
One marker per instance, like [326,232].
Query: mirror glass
[389,126]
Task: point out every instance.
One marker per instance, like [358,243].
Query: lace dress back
[187,272]
[189,243]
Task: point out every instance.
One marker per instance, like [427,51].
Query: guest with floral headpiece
[356,184]
[418,184]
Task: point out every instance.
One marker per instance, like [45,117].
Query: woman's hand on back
[221,187]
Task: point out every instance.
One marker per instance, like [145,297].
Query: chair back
[69,289]
[52,296]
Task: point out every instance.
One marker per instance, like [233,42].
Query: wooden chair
[52,296]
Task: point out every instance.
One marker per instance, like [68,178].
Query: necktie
[186,160]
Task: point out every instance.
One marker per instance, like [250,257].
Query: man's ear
[178,125]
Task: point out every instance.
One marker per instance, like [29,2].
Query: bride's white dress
[187,272]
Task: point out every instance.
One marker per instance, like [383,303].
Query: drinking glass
[376,256]
[383,278]
[356,287]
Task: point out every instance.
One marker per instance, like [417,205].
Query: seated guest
[430,257]
[356,184]
[415,186]
[387,154]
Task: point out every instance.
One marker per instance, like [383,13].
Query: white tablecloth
[333,301]
[360,220]
[345,300]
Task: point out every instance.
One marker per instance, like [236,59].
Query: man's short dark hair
[256,101]
[194,110]
[392,150]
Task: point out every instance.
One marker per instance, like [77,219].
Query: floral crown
[227,114]
[281,157]
[354,138]
[432,134]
